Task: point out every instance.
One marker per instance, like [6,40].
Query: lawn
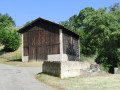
[98,82]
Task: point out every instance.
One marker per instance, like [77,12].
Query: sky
[23,11]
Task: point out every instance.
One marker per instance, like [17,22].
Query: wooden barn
[46,40]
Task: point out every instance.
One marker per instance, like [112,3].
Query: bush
[109,58]
[10,39]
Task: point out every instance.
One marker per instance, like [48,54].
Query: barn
[46,40]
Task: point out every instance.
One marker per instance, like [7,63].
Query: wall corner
[79,48]
[61,44]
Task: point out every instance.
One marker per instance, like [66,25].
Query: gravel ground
[20,78]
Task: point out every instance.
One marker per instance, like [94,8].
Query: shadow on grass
[15,60]
[42,73]
[2,52]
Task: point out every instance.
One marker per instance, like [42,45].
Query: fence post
[3,54]
[116,70]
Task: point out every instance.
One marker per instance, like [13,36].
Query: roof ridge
[39,18]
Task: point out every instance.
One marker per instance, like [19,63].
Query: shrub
[109,57]
[10,39]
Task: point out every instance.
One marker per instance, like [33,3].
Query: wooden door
[41,53]
[32,53]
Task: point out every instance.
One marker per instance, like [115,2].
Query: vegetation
[8,34]
[27,23]
[15,55]
[87,58]
[100,30]
[99,82]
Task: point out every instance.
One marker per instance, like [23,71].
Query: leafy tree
[71,23]
[103,31]
[87,49]
[8,35]
[6,21]
[88,11]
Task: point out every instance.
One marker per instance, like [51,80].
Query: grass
[14,58]
[18,62]
[99,82]
[87,58]
[11,55]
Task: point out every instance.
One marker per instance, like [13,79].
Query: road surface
[20,78]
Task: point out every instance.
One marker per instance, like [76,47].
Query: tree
[103,32]
[71,23]
[8,34]
[6,21]
[88,11]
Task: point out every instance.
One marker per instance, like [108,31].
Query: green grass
[99,82]
[87,58]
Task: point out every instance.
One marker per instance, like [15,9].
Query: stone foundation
[65,69]
[65,57]
[25,59]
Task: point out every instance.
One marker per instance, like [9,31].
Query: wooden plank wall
[70,43]
[41,40]
[25,45]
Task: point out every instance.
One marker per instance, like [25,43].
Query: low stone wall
[51,67]
[65,69]
[73,68]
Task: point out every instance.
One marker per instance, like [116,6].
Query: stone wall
[65,69]
[51,67]
[73,68]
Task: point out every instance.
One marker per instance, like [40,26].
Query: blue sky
[54,10]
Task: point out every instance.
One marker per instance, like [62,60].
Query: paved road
[20,78]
